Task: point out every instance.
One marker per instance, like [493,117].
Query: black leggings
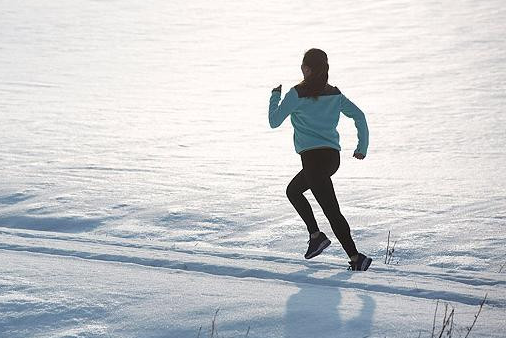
[318,165]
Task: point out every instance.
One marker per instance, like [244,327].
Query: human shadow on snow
[315,309]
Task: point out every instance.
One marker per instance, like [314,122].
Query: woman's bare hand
[359,156]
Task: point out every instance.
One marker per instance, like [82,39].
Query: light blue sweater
[315,122]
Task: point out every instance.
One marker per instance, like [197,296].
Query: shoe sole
[365,264]
[322,247]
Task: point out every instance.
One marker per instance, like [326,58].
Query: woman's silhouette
[314,107]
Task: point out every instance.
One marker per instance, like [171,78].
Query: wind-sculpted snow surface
[141,187]
[71,286]
[150,121]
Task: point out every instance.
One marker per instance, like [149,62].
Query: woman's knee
[292,191]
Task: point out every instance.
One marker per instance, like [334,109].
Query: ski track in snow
[453,286]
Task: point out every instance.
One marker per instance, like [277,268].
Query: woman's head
[315,68]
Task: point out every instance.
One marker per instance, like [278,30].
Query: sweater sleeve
[277,114]
[349,109]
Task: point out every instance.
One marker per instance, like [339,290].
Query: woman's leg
[294,192]
[323,191]
[319,165]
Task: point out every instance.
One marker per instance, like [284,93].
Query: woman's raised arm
[277,114]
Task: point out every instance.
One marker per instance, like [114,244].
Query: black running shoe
[316,245]
[361,264]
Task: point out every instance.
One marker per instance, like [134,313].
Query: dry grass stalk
[476,315]
[391,253]
[447,323]
[502,266]
[388,245]
[213,332]
[213,325]
[434,320]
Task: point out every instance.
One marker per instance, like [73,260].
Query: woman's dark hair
[314,84]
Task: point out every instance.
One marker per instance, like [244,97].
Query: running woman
[314,107]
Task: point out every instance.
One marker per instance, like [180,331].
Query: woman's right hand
[359,156]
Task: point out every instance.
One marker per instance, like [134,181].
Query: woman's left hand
[359,156]
[278,88]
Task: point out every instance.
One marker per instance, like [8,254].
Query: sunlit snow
[141,187]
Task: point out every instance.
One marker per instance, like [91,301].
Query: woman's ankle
[314,235]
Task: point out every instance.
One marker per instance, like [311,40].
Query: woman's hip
[322,161]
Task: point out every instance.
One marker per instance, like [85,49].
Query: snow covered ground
[141,187]
[72,286]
